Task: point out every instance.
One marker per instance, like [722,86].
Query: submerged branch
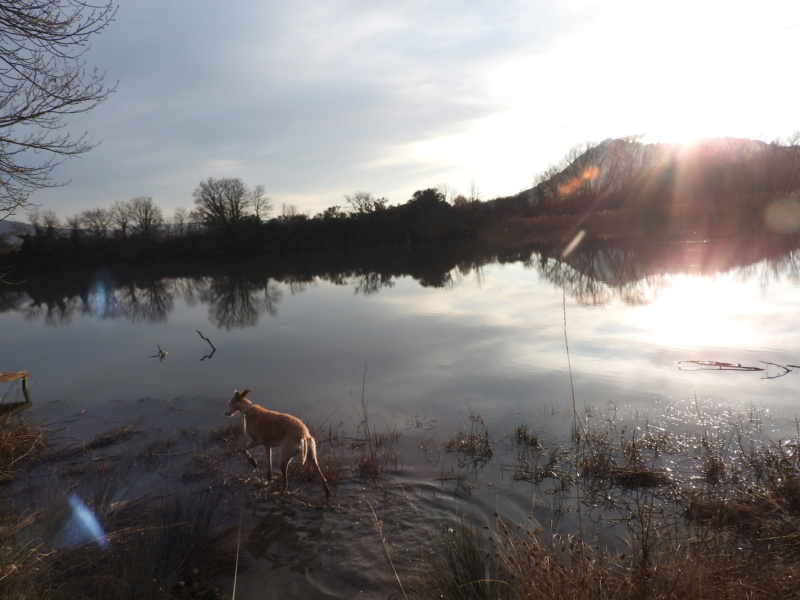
[713,365]
[213,348]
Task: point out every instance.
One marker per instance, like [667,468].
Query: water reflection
[238,300]
[238,296]
[635,271]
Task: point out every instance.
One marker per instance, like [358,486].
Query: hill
[10,230]
[719,184]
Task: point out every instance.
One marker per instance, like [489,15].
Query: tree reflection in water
[595,273]
[238,301]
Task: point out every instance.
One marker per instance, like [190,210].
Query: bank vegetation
[712,189]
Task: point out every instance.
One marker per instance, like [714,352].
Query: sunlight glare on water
[692,312]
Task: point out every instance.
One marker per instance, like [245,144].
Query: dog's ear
[244,393]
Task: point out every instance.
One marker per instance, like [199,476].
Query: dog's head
[236,403]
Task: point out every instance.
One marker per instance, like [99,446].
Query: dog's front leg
[269,463]
[252,459]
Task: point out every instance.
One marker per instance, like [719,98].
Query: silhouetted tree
[290,212]
[427,197]
[448,192]
[260,202]
[179,219]
[97,221]
[44,222]
[331,213]
[146,216]
[222,203]
[474,191]
[361,202]
[121,213]
[75,224]
[43,78]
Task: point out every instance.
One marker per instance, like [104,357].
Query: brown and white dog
[276,430]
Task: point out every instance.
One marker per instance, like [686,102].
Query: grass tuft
[474,448]
[524,437]
[19,441]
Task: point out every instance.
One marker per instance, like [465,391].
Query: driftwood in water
[705,365]
[213,348]
[721,366]
[161,355]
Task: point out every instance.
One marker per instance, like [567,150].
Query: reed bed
[681,516]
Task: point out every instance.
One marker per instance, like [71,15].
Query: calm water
[438,337]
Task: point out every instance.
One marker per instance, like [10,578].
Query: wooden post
[9,408]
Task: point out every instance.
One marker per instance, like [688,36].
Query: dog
[276,430]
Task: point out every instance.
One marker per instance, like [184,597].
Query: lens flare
[783,216]
[101,298]
[81,527]
[573,243]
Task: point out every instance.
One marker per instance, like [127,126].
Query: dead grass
[230,436]
[204,465]
[713,469]
[727,528]
[159,548]
[332,468]
[375,453]
[18,441]
[523,436]
[727,558]
[473,447]
[111,438]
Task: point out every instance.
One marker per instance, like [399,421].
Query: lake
[433,340]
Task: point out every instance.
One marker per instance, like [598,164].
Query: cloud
[316,99]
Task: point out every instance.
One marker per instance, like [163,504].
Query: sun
[674,88]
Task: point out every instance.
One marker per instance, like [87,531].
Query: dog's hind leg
[269,462]
[287,454]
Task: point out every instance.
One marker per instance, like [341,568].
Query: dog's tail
[303,450]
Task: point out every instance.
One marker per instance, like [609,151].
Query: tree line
[231,217]
[219,204]
[614,188]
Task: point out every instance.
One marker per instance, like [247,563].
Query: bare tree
[260,203]
[221,203]
[179,219]
[121,213]
[448,192]
[361,202]
[35,219]
[474,191]
[97,221]
[43,79]
[50,222]
[290,212]
[146,216]
[75,224]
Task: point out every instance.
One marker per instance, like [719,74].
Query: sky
[318,99]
